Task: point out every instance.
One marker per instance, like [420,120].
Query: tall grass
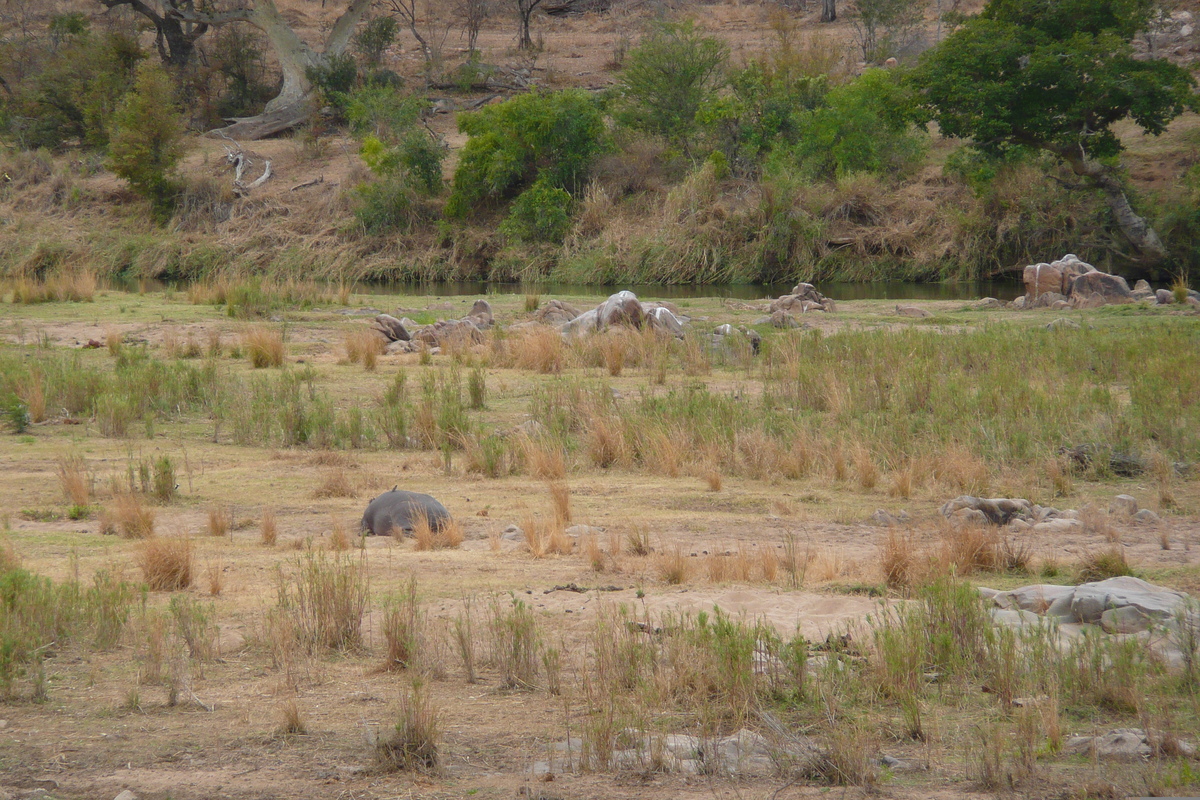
[326,598]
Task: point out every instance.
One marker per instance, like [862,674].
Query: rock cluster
[1072,283]
[803,298]
[405,336]
[623,309]
[1123,605]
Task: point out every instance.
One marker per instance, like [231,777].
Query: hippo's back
[401,509]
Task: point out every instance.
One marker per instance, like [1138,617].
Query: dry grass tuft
[638,539]
[74,479]
[898,560]
[220,520]
[214,576]
[1096,521]
[673,566]
[364,346]
[448,537]
[416,741]
[131,516]
[560,496]
[291,721]
[166,564]
[539,349]
[114,341]
[712,478]
[544,459]
[268,531]
[339,540]
[1098,565]
[335,484]
[614,348]
[264,346]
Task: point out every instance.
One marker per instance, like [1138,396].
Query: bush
[548,137]
[666,80]
[147,140]
[542,213]
[865,126]
[334,79]
[375,37]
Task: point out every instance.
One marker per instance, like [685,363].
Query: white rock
[126,795]
[1058,526]
[1186,30]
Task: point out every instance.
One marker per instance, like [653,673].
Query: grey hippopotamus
[399,510]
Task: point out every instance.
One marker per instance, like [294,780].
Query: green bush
[542,213]
[334,79]
[147,140]
[375,37]
[550,137]
[666,80]
[865,126]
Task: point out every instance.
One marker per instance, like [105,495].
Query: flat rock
[1066,525]
[126,795]
[912,311]
[1126,619]
[1091,600]
[1122,744]
[1146,517]
[1037,599]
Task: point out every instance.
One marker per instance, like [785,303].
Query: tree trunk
[1134,227]
[294,103]
[525,10]
[828,10]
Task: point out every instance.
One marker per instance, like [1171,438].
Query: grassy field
[188,610]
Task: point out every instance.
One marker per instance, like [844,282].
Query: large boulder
[803,298]
[621,308]
[1091,600]
[1046,300]
[585,323]
[660,318]
[556,312]
[442,331]
[392,328]
[1042,279]
[399,510]
[1070,267]
[481,314]
[1112,288]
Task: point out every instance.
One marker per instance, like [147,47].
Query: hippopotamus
[399,510]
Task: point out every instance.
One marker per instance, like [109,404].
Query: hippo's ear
[394,488]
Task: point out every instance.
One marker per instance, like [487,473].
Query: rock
[395,348]
[1141,286]
[443,331]
[1194,302]
[1164,297]
[1019,303]
[513,534]
[883,519]
[997,511]
[1181,16]
[1093,300]
[621,308]
[1037,599]
[1062,323]
[576,531]
[782,319]
[1042,279]
[1071,268]
[1013,618]
[723,330]
[1019,526]
[392,328]
[1046,300]
[1091,600]
[481,314]
[912,311]
[126,795]
[664,320]
[1124,505]
[1057,526]
[1146,517]
[803,298]
[1124,620]
[1111,288]
[1123,464]
[896,764]
[987,302]
[1123,744]
[556,312]
[969,516]
[585,323]
[744,753]
[1186,30]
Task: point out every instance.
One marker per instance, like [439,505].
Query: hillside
[647,216]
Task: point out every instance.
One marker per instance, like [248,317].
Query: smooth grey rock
[884,520]
[996,510]
[969,516]
[1019,303]
[1164,297]
[1126,619]
[912,311]
[1123,505]
[1141,286]
[1062,323]
[723,330]
[1122,744]
[556,312]
[1146,517]
[987,302]
[621,308]
[1037,598]
[1057,526]
[585,323]
[1093,599]
[1047,300]
[575,531]
[1013,618]
[662,319]
[513,534]
[126,795]
[1112,288]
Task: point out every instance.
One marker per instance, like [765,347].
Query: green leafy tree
[147,140]
[542,213]
[863,126]
[549,137]
[672,73]
[404,157]
[1054,75]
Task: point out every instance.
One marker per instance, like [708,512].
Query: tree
[550,138]
[666,80]
[297,58]
[883,28]
[147,140]
[175,36]
[828,10]
[473,13]
[1054,75]
[525,9]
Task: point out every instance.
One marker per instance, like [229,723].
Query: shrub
[147,140]
[374,38]
[865,126]
[166,564]
[414,745]
[666,80]
[264,346]
[551,137]
[542,213]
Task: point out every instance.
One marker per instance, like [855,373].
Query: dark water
[966,290]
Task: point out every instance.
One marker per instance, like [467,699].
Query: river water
[883,290]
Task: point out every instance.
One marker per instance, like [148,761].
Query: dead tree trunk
[1133,226]
[294,103]
[828,10]
[525,9]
